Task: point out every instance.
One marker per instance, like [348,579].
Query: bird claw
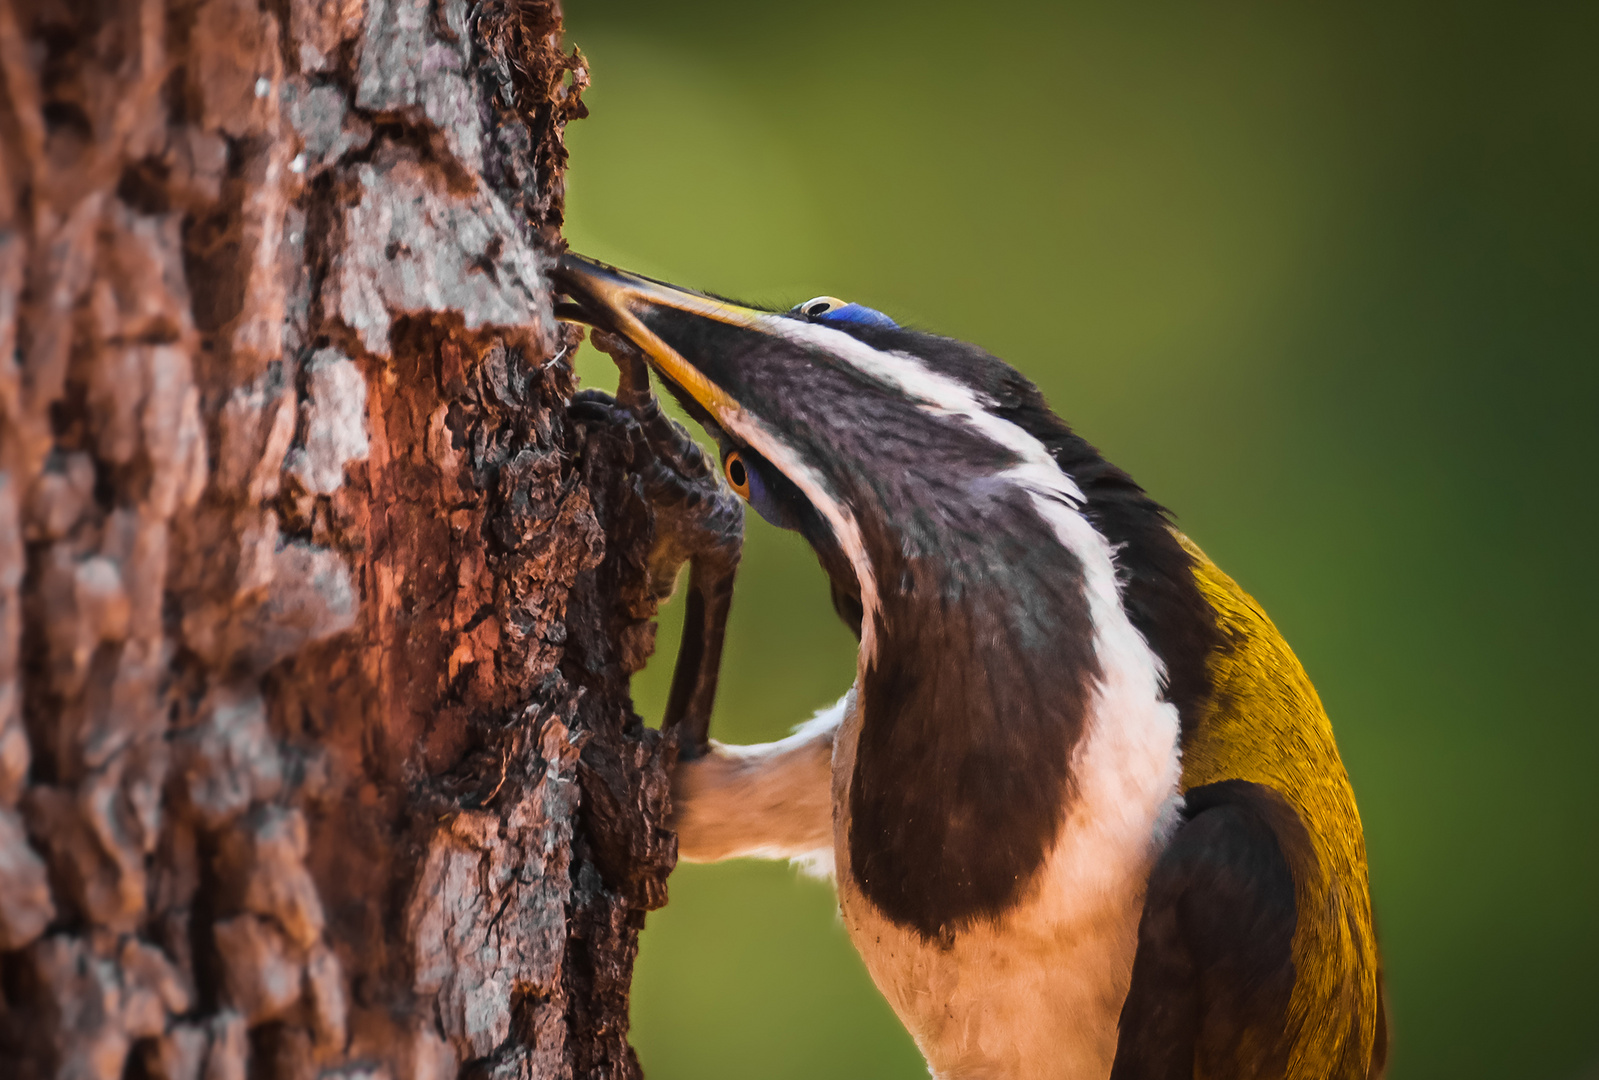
[697,519]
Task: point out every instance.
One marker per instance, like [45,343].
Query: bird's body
[1082,805]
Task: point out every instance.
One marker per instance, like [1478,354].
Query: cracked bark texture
[316,613]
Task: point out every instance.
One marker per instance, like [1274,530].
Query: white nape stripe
[939,394]
[1117,641]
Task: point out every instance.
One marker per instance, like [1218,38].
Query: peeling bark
[316,613]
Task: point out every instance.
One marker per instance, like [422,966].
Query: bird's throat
[970,713]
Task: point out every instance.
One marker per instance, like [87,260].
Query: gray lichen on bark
[316,614]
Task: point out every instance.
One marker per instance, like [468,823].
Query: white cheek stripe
[845,528]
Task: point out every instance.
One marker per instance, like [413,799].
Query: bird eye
[738,474]
[819,305]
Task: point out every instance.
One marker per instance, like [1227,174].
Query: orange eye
[738,474]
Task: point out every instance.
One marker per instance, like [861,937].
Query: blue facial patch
[860,315]
[763,502]
[828,309]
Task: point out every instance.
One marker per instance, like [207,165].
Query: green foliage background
[1324,277]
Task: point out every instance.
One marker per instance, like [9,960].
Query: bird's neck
[981,680]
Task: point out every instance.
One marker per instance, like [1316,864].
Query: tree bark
[316,613]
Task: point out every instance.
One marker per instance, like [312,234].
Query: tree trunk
[316,615]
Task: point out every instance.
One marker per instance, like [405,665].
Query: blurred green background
[1324,278]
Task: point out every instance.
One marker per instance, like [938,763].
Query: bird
[1083,808]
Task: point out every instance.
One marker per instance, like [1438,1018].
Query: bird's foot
[698,520]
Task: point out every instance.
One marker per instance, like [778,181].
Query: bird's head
[903,457]
[1001,575]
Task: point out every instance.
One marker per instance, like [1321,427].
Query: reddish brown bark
[316,614]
